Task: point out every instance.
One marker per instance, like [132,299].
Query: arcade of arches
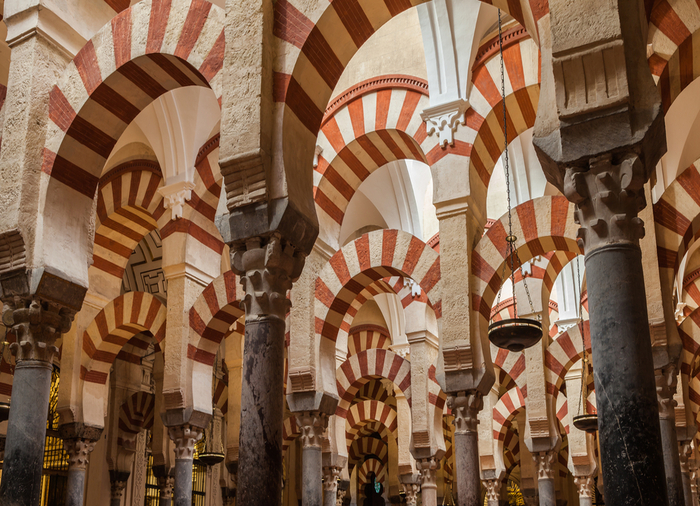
[250,251]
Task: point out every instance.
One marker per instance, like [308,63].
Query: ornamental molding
[445,119]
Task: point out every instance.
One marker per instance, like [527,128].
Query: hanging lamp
[514,334]
[587,422]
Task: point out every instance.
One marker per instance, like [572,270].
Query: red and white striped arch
[677,220]
[673,34]
[144,52]
[374,390]
[368,364]
[511,365]
[319,39]
[507,407]
[368,467]
[365,337]
[376,255]
[541,225]
[484,118]
[220,395]
[367,446]
[128,208]
[211,317]
[366,412]
[689,332]
[379,286]
[114,326]
[381,123]
[136,414]
[563,353]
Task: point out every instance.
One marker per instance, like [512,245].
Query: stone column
[267,268]
[37,325]
[117,481]
[312,426]
[666,384]
[493,491]
[685,452]
[184,437]
[428,480]
[465,407]
[694,486]
[330,485]
[585,488]
[166,482]
[599,150]
[411,490]
[78,450]
[545,477]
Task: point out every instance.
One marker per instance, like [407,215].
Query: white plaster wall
[396,48]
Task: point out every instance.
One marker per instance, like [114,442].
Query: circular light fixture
[587,423]
[515,334]
[211,458]
[4,411]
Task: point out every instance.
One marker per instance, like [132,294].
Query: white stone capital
[445,118]
[175,195]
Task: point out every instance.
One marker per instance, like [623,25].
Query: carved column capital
[608,195]
[267,267]
[78,450]
[166,484]
[666,385]
[428,471]
[185,436]
[445,119]
[544,461]
[584,485]
[411,490]
[340,498]
[465,407]
[493,489]
[685,451]
[312,425]
[330,478]
[37,324]
[118,484]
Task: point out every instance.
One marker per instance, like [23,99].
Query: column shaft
[262,411]
[312,486]
[467,482]
[548,495]
[26,434]
[428,477]
[330,485]
[78,450]
[672,467]
[630,439]
[182,489]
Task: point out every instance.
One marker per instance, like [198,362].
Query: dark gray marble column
[37,325]
[465,407]
[166,481]
[666,385]
[330,485]
[184,436]
[600,152]
[78,451]
[545,462]
[117,481]
[267,267]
